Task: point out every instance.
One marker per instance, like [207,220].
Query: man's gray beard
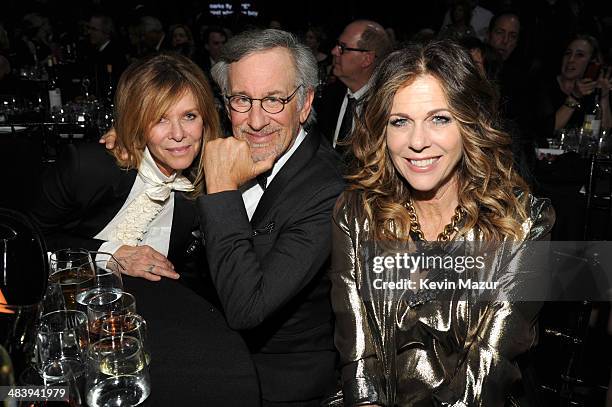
[260,157]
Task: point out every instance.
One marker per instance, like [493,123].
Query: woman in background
[182,40]
[562,102]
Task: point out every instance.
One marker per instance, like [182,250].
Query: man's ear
[368,59]
[307,105]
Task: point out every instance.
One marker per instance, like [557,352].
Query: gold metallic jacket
[453,352]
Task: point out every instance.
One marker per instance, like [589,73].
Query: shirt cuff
[107,247]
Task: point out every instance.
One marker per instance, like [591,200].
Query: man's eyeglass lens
[343,48]
[271,104]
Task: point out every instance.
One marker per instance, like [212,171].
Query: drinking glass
[571,140]
[605,144]
[68,258]
[117,373]
[556,141]
[107,279]
[132,325]
[73,270]
[63,377]
[58,373]
[18,332]
[62,336]
[54,298]
[106,304]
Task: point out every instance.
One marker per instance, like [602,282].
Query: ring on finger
[150,268]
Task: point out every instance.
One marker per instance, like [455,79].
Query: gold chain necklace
[415,226]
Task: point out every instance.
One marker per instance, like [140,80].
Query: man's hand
[145,262]
[228,164]
[109,138]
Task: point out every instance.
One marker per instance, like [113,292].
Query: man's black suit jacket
[83,192]
[327,108]
[270,273]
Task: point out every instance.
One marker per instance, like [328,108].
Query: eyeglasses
[343,48]
[271,104]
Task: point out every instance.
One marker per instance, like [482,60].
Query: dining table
[196,359]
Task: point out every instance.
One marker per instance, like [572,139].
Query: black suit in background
[83,192]
[327,108]
[270,273]
[96,61]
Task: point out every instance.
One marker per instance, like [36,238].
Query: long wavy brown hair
[146,90]
[487,183]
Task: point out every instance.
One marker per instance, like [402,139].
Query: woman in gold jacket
[432,165]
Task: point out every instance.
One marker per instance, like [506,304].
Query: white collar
[159,186]
[103,46]
[285,157]
[360,92]
[148,162]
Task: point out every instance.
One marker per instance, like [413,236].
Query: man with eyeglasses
[104,51]
[359,49]
[266,216]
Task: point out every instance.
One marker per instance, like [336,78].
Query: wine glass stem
[4,273]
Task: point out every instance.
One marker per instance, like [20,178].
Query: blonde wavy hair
[488,185]
[145,92]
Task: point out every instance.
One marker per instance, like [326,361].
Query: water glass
[56,373]
[132,325]
[59,373]
[107,279]
[117,372]
[73,270]
[571,140]
[69,258]
[63,336]
[556,141]
[54,298]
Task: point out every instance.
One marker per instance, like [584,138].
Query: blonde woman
[135,201]
[431,165]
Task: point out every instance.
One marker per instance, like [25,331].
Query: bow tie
[158,189]
[262,179]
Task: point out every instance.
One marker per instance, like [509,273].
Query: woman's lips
[422,164]
[179,150]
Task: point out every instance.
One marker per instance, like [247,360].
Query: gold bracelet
[571,103]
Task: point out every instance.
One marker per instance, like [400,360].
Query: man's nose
[258,118]
[336,51]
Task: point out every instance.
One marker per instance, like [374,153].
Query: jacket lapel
[183,222]
[300,158]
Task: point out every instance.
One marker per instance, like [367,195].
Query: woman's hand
[145,262]
[604,82]
[583,87]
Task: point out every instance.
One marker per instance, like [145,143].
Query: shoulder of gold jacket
[350,215]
